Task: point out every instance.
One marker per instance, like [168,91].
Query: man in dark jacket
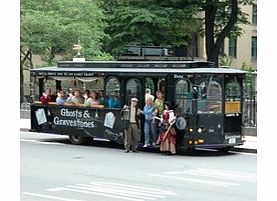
[131,132]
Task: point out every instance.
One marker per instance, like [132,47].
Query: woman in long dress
[167,136]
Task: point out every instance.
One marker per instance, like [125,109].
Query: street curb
[25,129]
[245,150]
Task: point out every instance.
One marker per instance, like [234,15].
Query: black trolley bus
[208,100]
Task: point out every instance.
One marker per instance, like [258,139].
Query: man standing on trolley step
[131,132]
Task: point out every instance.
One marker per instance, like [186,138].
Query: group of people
[86,98]
[159,119]
[159,116]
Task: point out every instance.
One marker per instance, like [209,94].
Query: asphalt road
[53,169]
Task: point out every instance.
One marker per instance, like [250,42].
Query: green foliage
[49,27]
[250,77]
[225,60]
[158,23]
[103,57]
[247,68]
[166,22]
[222,15]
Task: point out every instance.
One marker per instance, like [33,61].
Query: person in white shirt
[61,99]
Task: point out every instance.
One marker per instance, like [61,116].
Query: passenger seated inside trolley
[77,98]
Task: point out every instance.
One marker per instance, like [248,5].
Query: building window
[233,47]
[254,47]
[254,14]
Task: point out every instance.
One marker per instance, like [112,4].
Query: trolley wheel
[78,140]
[225,149]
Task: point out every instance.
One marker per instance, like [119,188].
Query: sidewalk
[25,124]
[250,144]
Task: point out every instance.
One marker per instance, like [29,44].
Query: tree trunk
[213,44]
[210,12]
[51,55]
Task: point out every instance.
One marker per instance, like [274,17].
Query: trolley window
[149,84]
[113,92]
[210,97]
[183,95]
[79,83]
[232,96]
[133,89]
[92,83]
[49,84]
[68,85]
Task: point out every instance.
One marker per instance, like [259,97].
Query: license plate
[232,140]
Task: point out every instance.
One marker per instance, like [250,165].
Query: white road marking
[112,192]
[94,193]
[201,181]
[116,190]
[135,188]
[119,190]
[216,173]
[49,197]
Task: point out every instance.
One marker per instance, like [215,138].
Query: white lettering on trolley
[178,76]
[74,122]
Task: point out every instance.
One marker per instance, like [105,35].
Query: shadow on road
[109,144]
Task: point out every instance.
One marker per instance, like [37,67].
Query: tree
[222,19]
[163,22]
[143,22]
[49,27]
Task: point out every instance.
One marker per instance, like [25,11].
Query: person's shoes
[135,151]
[126,151]
[146,145]
[154,144]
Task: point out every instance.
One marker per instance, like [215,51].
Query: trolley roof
[88,69]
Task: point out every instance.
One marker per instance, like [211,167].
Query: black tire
[225,149]
[78,140]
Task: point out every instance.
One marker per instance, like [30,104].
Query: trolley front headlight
[196,142]
[201,141]
[201,129]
